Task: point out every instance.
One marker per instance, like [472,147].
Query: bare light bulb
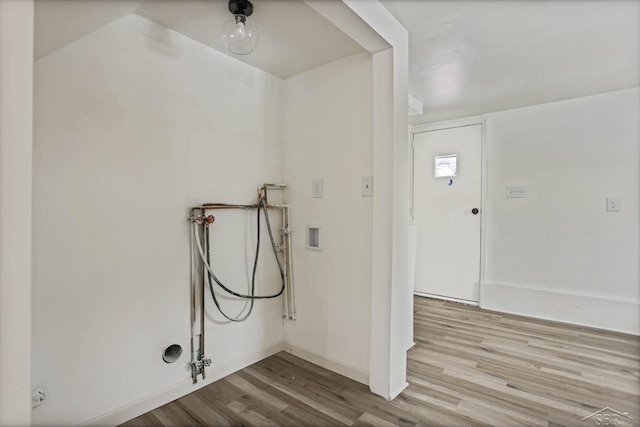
[240,35]
[241,32]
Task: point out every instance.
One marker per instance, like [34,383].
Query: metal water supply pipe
[199,220]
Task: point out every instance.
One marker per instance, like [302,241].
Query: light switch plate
[317,188]
[613,204]
[367,186]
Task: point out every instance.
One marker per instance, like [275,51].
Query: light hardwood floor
[468,367]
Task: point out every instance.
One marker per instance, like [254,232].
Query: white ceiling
[466,57]
[474,57]
[292,37]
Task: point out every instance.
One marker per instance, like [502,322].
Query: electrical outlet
[613,204]
[38,395]
[317,189]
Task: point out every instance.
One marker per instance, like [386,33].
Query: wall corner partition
[378,32]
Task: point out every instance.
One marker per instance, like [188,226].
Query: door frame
[484,177]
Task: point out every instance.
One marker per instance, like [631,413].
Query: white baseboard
[444,298]
[610,314]
[341,368]
[214,373]
[387,391]
[395,392]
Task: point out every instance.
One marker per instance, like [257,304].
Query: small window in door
[446,166]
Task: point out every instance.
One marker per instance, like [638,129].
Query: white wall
[558,254]
[16,129]
[391,300]
[374,28]
[133,124]
[329,136]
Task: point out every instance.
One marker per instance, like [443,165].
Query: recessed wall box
[314,237]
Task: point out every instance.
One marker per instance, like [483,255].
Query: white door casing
[448,250]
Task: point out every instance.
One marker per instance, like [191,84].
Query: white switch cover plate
[516,192]
[613,204]
[317,188]
[367,186]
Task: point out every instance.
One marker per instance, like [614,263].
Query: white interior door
[447,211]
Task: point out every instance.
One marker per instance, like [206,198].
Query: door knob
[475,211]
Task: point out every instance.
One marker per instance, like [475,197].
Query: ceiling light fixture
[240,35]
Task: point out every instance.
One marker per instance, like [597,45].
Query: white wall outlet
[613,204]
[516,192]
[317,188]
[367,186]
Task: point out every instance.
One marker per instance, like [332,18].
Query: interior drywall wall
[391,301]
[135,123]
[16,130]
[328,136]
[380,33]
[558,253]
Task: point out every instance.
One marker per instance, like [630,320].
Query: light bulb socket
[241,7]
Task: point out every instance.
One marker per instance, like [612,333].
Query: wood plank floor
[469,367]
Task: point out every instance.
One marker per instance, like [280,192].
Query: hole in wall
[172,353]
